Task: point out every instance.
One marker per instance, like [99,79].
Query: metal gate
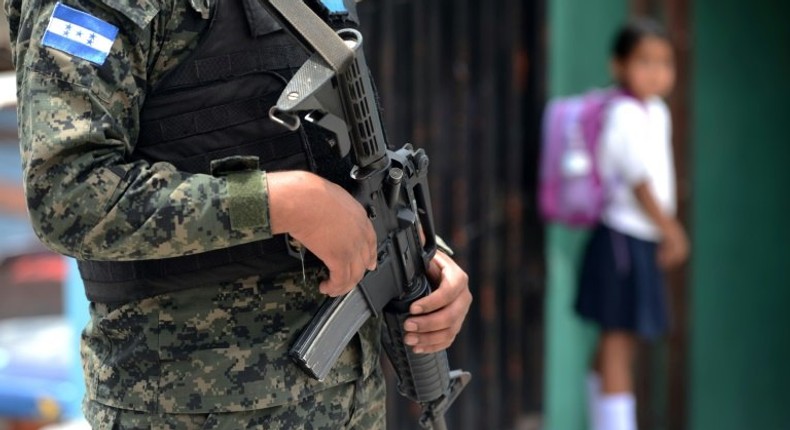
[464,80]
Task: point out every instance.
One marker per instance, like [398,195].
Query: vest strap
[122,281]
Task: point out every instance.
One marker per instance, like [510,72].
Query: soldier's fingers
[356,271]
[434,270]
[431,342]
[450,317]
[336,290]
[372,242]
[442,270]
[329,288]
[435,338]
[371,259]
[452,285]
[338,281]
[359,270]
[363,244]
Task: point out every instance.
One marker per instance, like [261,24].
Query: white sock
[593,394]
[616,412]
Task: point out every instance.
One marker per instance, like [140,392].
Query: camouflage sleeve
[78,124]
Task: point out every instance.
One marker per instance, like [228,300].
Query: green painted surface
[740,331]
[569,341]
[579,37]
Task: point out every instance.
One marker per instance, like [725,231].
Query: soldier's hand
[328,221]
[437,318]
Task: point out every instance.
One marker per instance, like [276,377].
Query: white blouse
[636,146]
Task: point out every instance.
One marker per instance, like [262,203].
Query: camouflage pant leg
[370,409]
[357,405]
[102,417]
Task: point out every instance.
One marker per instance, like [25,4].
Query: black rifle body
[392,186]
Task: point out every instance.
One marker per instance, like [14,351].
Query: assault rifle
[334,90]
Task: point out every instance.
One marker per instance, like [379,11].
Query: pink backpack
[571,191]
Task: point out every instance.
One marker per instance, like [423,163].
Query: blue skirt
[621,286]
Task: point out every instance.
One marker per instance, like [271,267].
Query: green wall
[579,33]
[740,292]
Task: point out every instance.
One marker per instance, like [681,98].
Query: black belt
[123,281]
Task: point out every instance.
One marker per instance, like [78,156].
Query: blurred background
[468,81]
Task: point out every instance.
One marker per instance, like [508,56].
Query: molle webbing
[205,120]
[237,64]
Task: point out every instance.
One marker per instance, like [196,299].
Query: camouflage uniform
[202,358]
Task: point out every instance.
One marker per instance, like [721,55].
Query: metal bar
[513,207]
[453,79]
[678,20]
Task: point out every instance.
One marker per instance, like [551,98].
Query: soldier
[148,155]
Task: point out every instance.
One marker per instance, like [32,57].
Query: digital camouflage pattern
[79,121]
[212,350]
[352,405]
[218,351]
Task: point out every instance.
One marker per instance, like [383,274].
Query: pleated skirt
[621,286]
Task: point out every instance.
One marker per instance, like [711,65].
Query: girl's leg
[616,351]
[616,406]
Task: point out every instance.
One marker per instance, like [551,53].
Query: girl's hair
[629,36]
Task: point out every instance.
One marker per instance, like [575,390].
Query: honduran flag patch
[335,6]
[79,34]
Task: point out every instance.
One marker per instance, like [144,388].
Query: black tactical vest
[215,106]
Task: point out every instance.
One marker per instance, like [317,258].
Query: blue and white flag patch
[79,34]
[335,6]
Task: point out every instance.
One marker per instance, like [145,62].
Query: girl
[622,286]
